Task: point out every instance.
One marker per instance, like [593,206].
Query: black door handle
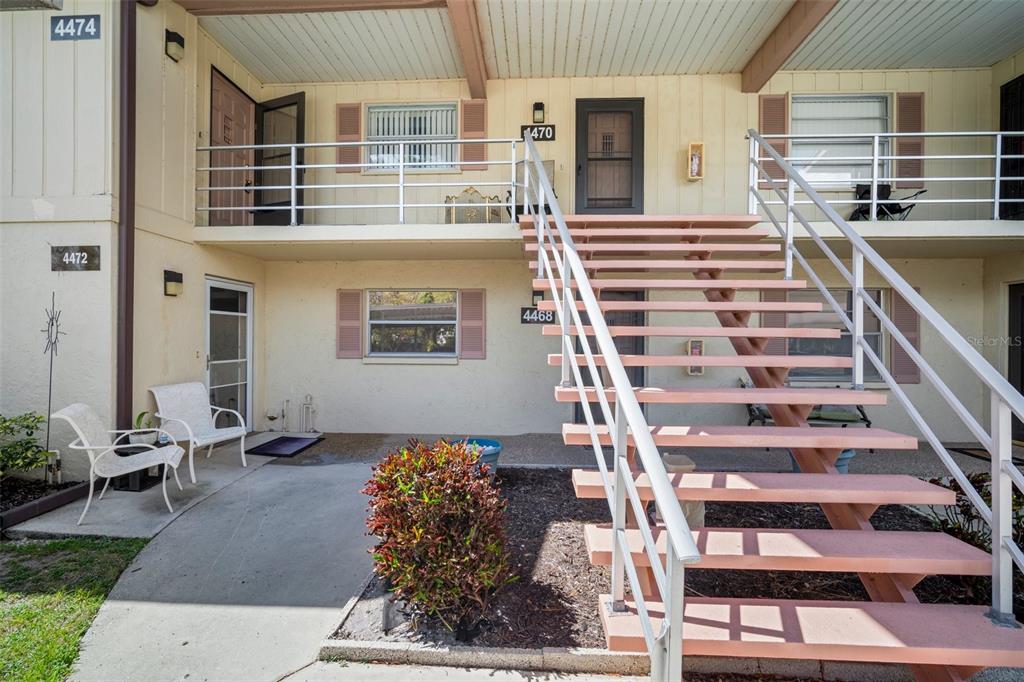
[579,169]
[248,186]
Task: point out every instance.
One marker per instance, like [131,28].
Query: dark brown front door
[1011,117]
[1016,349]
[609,155]
[232,122]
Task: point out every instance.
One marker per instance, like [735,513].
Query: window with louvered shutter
[409,322]
[822,159]
[349,129]
[840,347]
[472,324]
[774,346]
[903,369]
[350,323]
[425,125]
[909,119]
[773,119]
[474,127]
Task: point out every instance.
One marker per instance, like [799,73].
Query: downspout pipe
[126,219]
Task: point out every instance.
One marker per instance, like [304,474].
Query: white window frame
[842,375]
[425,139]
[370,353]
[834,178]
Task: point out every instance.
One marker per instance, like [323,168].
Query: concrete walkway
[370,672]
[244,585]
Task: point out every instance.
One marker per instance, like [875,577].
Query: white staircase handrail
[1005,399]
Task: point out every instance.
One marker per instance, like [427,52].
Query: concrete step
[715,332]
[842,551]
[735,396]
[681,284]
[779,361]
[646,264]
[831,438]
[699,306]
[731,221]
[635,234]
[725,486]
[666,247]
[880,632]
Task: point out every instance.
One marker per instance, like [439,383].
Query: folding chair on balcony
[884,208]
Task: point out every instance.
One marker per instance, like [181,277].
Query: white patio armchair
[185,411]
[104,460]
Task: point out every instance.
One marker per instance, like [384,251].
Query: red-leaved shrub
[439,519]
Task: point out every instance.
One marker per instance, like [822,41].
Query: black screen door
[1011,117]
[1015,363]
[279,121]
[609,155]
[626,345]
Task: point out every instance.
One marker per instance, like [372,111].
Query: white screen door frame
[231,285]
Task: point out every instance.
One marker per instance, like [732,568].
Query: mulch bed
[15,492]
[554,602]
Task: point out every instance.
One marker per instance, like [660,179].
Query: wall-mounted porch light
[538,112]
[173,283]
[174,45]
[538,296]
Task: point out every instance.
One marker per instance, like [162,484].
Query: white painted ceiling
[545,38]
[910,34]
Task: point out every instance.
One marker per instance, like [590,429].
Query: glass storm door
[229,348]
[609,155]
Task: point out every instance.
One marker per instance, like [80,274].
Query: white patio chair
[104,462]
[185,411]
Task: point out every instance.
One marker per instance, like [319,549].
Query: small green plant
[142,420]
[440,522]
[19,447]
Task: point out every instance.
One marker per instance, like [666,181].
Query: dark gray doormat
[284,446]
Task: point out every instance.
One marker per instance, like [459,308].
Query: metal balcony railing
[1005,400]
[288,179]
[962,168]
[563,268]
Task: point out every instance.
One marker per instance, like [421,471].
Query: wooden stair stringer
[880,587]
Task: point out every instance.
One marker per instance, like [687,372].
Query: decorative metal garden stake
[53,333]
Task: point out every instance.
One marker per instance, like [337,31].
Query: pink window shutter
[350,323]
[903,369]
[474,127]
[774,346]
[909,119]
[349,129]
[472,324]
[773,119]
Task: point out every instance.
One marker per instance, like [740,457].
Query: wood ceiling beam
[466,27]
[206,8]
[801,20]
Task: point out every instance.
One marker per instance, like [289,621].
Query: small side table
[136,481]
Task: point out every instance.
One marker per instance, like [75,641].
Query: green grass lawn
[49,593]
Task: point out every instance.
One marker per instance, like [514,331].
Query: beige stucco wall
[508,392]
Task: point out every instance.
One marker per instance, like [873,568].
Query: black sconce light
[538,112]
[174,45]
[173,283]
[538,296]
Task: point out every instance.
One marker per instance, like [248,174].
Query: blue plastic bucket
[489,450]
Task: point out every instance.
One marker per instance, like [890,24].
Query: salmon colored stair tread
[684,220]
[785,361]
[681,265]
[721,332]
[770,549]
[736,396]
[694,284]
[667,247]
[634,234]
[726,486]
[755,437]
[700,306]
[880,632]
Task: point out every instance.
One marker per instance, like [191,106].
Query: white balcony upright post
[621,470]
[874,177]
[294,182]
[401,183]
[674,612]
[1002,515]
[790,191]
[513,218]
[752,177]
[567,301]
[858,319]
[998,176]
